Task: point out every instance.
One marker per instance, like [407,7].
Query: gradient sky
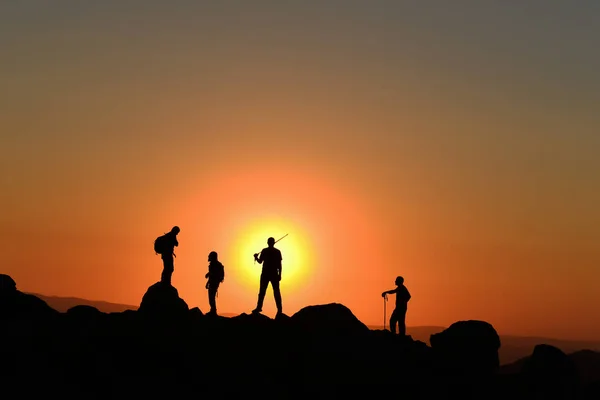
[454,143]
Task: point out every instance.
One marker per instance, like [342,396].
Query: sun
[295,249]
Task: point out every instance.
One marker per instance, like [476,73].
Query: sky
[452,143]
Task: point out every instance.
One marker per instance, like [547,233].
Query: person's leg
[168,269]
[212,294]
[393,321]
[264,282]
[402,322]
[277,294]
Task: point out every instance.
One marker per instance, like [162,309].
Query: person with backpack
[270,258]
[215,276]
[165,246]
[399,313]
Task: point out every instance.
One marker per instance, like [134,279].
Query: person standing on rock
[270,258]
[399,314]
[215,275]
[165,246]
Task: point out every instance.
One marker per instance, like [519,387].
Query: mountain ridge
[514,347]
[166,346]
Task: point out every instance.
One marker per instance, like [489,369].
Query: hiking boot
[256,311]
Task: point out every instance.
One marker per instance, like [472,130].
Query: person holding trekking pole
[270,258]
[399,313]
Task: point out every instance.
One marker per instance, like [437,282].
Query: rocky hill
[323,351]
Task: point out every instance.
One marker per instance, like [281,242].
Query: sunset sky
[454,143]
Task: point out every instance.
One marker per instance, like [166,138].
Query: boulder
[7,284]
[549,371]
[163,300]
[468,346]
[329,319]
[18,305]
[84,311]
[196,312]
[252,319]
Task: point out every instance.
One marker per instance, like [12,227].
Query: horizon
[455,145]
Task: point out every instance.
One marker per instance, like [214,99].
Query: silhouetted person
[270,258]
[399,314]
[215,275]
[165,246]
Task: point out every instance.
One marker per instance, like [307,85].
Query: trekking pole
[281,237]
[274,243]
[384,310]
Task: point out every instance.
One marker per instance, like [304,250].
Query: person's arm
[175,244]
[388,292]
[258,257]
[280,266]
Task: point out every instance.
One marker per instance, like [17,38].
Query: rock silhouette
[15,304]
[469,346]
[322,351]
[550,372]
[332,319]
[163,300]
[7,284]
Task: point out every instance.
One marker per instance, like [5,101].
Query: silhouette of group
[271,260]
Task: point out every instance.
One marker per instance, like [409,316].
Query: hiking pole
[384,310]
[281,237]
[273,243]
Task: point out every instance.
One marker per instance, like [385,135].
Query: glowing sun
[295,249]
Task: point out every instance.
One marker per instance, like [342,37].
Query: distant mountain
[62,304]
[516,347]
[587,363]
[513,347]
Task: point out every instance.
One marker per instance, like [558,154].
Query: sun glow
[295,249]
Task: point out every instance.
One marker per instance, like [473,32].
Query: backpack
[218,272]
[160,244]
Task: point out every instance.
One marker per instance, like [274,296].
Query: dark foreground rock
[328,319]
[163,300]
[16,305]
[167,350]
[469,346]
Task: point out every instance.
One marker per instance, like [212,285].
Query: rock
[252,318]
[330,319]
[283,319]
[549,371]
[7,284]
[84,311]
[196,312]
[19,305]
[163,300]
[468,346]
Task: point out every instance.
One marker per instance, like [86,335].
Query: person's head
[175,230]
[271,242]
[399,281]
[213,256]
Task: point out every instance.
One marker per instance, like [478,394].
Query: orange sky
[460,158]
